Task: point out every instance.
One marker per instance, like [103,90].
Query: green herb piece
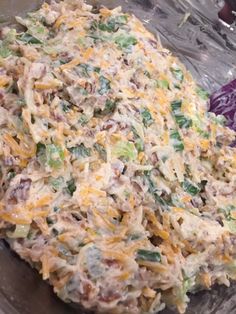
[57,183]
[150,256]
[80,151]
[84,69]
[230,225]
[66,106]
[188,283]
[177,86]
[134,237]
[178,74]
[176,141]
[202,93]
[110,107]
[10,37]
[56,209]
[105,85]
[164,158]
[139,145]
[41,153]
[40,148]
[176,105]
[113,23]
[219,119]
[154,192]
[147,117]
[126,150]
[181,120]
[125,41]
[227,211]
[164,84]
[200,127]
[147,74]
[81,90]
[83,119]
[11,174]
[97,37]
[101,151]
[54,156]
[4,50]
[51,220]
[71,187]
[29,39]
[190,188]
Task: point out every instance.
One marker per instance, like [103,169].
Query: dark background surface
[209,51]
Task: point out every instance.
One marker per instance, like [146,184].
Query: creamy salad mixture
[116,184]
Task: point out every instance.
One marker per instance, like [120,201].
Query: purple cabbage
[223,102]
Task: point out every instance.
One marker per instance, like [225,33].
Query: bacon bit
[109,295]
[87,289]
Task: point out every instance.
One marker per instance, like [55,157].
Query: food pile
[116,184]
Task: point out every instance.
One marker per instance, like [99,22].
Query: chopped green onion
[177,141]
[176,105]
[80,151]
[101,151]
[125,41]
[202,93]
[113,23]
[147,74]
[230,225]
[190,188]
[110,107]
[83,119]
[105,85]
[56,183]
[147,117]
[85,69]
[11,174]
[150,256]
[154,192]
[54,156]
[227,212]
[126,150]
[181,120]
[178,74]
[29,39]
[71,187]
[164,84]
[4,51]
[66,106]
